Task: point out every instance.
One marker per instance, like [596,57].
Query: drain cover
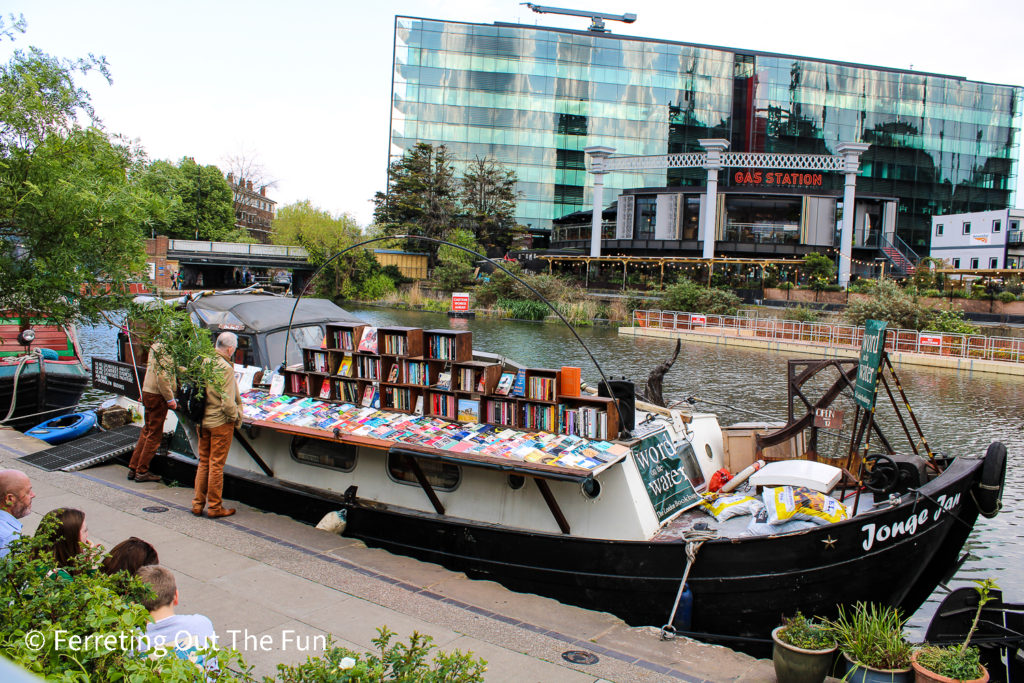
[154,508]
[579,657]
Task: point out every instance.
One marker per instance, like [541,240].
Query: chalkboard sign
[117,378]
[664,475]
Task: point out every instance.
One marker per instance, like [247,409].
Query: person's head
[161,582]
[227,342]
[67,531]
[129,555]
[15,493]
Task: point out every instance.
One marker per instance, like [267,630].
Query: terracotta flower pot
[861,673]
[923,675]
[797,665]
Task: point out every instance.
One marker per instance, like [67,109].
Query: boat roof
[265,312]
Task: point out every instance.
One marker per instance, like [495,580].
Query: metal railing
[980,347]
[204,246]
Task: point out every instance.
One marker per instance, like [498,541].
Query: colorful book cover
[345,369]
[393,373]
[325,389]
[505,383]
[519,384]
[368,396]
[444,380]
[368,343]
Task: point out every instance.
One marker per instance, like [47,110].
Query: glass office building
[533,98]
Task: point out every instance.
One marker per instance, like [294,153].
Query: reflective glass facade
[534,98]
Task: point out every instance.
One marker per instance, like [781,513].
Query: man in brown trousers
[157,397]
[223,414]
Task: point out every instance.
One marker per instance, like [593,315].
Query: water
[960,412]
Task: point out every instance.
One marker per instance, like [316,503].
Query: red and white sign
[460,301]
[698,319]
[929,339]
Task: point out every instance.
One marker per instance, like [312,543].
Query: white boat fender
[334,522]
[743,475]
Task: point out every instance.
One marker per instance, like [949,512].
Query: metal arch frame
[792,162]
[497,265]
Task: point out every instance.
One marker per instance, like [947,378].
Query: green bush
[786,285]
[951,321]
[375,287]
[803,314]
[687,295]
[862,286]
[1007,297]
[452,274]
[522,309]
[807,634]
[397,662]
[892,304]
[931,293]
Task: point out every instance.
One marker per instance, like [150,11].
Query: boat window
[310,335]
[246,353]
[441,475]
[690,465]
[329,454]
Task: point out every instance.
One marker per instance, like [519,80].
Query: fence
[1005,349]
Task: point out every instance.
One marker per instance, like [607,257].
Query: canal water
[960,412]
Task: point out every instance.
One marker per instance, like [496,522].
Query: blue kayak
[64,428]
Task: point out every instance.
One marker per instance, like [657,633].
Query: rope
[34,353]
[694,540]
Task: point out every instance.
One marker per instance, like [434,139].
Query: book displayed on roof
[560,450]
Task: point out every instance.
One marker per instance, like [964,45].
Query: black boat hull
[41,396]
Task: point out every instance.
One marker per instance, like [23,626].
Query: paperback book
[368,343]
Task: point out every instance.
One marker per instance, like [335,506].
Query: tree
[246,164]
[320,233]
[421,197]
[455,266]
[820,269]
[202,203]
[71,209]
[488,196]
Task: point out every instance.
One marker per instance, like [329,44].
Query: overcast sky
[305,85]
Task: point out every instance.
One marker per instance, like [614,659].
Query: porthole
[591,488]
[329,454]
[516,481]
[711,453]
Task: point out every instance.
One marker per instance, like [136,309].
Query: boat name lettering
[909,526]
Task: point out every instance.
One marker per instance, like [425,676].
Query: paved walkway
[271,585]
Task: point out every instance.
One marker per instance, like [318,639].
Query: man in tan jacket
[223,414]
[157,397]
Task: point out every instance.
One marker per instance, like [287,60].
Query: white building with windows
[980,240]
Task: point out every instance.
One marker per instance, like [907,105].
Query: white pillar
[712,162]
[851,151]
[598,156]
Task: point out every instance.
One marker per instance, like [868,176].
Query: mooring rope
[694,540]
[34,353]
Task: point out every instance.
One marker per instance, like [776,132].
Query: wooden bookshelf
[454,346]
[408,368]
[400,341]
[475,377]
[344,336]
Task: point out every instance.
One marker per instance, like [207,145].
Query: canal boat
[611,521]
[41,371]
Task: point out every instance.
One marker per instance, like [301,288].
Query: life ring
[988,491]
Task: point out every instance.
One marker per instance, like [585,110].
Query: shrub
[580,313]
[951,321]
[522,309]
[803,314]
[862,286]
[399,663]
[687,295]
[931,293]
[376,287]
[452,274]
[872,635]
[807,634]
[892,304]
[786,285]
[1007,297]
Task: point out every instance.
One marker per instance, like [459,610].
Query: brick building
[254,211]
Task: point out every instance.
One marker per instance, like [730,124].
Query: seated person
[185,633]
[68,535]
[128,556]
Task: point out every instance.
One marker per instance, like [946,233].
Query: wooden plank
[556,512]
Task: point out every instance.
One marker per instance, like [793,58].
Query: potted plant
[961,662]
[803,650]
[871,640]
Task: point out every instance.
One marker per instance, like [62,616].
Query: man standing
[157,397]
[15,502]
[223,414]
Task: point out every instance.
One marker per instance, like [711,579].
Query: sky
[304,87]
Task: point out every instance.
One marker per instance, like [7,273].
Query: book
[368,396]
[469,410]
[505,383]
[277,385]
[368,343]
[325,389]
[519,384]
[418,410]
[345,369]
[393,373]
[481,385]
[444,380]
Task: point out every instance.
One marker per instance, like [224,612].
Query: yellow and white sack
[723,507]
[786,503]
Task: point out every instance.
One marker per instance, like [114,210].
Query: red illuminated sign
[777,178]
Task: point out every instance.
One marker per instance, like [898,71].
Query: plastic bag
[788,503]
[759,526]
[723,507]
[718,479]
